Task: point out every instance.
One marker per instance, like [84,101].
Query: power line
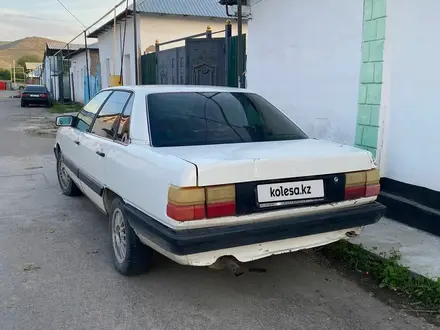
[59,1]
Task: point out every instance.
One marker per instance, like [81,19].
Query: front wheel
[130,256]
[68,187]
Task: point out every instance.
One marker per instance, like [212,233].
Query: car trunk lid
[263,161]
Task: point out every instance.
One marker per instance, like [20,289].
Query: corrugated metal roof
[200,8]
[55,45]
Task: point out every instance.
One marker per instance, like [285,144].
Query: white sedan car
[210,176]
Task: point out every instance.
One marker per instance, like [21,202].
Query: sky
[47,18]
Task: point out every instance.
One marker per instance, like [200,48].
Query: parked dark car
[36,94]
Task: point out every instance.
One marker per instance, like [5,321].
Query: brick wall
[370,90]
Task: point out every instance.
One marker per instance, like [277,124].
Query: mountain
[13,50]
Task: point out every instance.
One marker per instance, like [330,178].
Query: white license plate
[34,95]
[290,191]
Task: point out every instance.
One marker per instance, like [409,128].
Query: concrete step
[411,213]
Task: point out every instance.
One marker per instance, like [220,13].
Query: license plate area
[34,95]
[290,193]
[247,198]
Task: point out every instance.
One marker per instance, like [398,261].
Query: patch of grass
[65,108]
[386,271]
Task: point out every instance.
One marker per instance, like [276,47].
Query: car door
[70,138]
[95,144]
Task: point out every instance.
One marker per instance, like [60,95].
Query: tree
[5,74]
[28,58]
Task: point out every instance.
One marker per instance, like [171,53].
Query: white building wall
[305,56]
[109,66]
[48,78]
[166,28]
[411,139]
[78,69]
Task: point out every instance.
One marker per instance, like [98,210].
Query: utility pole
[87,64]
[13,68]
[136,73]
[240,44]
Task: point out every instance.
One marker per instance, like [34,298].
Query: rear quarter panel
[142,177]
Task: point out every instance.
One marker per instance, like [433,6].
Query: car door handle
[77,142]
[101,154]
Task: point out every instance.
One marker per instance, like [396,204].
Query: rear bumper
[187,242]
[35,100]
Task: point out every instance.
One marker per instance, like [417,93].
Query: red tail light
[220,201]
[362,184]
[25,95]
[43,95]
[187,204]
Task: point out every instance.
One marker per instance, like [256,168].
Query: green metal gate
[148,63]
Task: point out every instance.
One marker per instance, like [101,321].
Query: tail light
[43,95]
[25,95]
[220,201]
[187,204]
[362,184]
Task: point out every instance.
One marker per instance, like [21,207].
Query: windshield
[194,118]
[39,89]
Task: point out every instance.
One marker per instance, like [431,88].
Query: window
[123,135]
[36,89]
[108,118]
[182,119]
[85,117]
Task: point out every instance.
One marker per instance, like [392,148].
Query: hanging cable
[59,1]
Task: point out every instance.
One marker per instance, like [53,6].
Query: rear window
[187,119]
[39,89]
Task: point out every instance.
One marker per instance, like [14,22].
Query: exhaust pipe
[230,263]
[351,234]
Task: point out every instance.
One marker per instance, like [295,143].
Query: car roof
[154,89]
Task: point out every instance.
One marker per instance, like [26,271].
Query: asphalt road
[56,271]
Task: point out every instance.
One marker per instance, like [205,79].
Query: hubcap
[64,177]
[119,235]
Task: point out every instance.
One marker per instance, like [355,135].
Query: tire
[23,105]
[138,257]
[49,105]
[68,187]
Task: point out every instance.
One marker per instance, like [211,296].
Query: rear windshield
[39,89]
[186,119]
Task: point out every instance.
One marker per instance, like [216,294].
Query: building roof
[93,47]
[195,8]
[56,45]
[53,47]
[32,65]
[198,8]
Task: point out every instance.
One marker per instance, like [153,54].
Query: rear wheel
[68,187]
[23,104]
[130,256]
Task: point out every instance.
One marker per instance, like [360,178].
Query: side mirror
[64,121]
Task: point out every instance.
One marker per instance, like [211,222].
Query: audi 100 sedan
[209,176]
